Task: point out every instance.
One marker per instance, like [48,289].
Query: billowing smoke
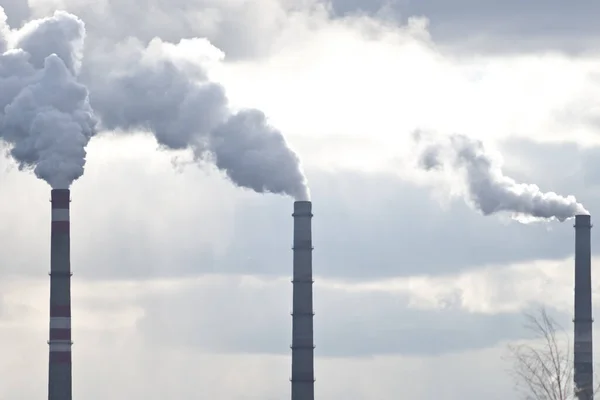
[487,188]
[45,116]
[256,155]
[162,88]
[165,89]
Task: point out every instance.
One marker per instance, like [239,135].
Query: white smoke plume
[488,189]
[45,116]
[259,157]
[162,88]
[165,89]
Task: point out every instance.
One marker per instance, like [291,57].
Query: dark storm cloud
[488,25]
[347,324]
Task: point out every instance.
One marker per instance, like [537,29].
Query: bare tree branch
[543,370]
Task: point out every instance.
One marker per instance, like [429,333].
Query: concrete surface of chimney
[303,376]
[59,373]
[583,349]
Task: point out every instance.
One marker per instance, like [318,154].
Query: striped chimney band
[60,211]
[60,323]
[60,356]
[60,334]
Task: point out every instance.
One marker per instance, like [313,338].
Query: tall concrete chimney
[582,354]
[303,374]
[59,371]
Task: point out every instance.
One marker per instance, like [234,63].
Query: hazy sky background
[181,280]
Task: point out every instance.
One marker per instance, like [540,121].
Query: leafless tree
[543,369]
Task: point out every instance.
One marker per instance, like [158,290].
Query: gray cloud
[566,165]
[463,25]
[359,233]
[369,226]
[244,315]
[231,26]
[17,11]
[255,319]
[160,371]
[487,25]
[366,226]
[581,113]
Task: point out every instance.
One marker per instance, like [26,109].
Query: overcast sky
[181,282]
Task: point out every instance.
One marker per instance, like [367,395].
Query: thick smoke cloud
[148,90]
[165,89]
[251,151]
[162,88]
[46,118]
[487,188]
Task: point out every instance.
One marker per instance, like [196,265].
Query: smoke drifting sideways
[45,115]
[164,88]
[488,189]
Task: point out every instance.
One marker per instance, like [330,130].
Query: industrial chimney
[303,375]
[59,373]
[583,369]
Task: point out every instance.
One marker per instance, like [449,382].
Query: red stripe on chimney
[60,311]
[60,357]
[60,334]
[60,226]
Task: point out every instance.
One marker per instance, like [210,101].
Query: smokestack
[59,373]
[303,375]
[583,356]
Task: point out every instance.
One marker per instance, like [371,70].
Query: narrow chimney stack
[59,372]
[303,376]
[583,349]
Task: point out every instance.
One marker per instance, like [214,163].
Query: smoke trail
[488,189]
[251,151]
[46,117]
[165,89]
